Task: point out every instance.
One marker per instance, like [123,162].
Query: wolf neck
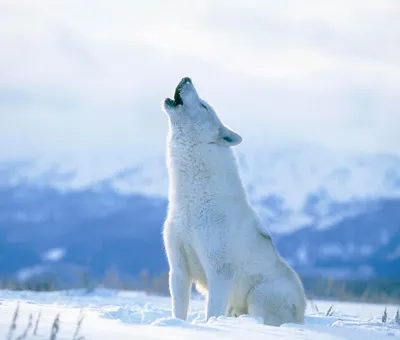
[207,169]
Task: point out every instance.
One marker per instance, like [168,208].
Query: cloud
[278,72]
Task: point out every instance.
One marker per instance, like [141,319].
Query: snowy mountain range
[331,214]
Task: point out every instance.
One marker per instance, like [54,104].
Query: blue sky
[80,78]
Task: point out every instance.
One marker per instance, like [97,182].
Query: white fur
[212,236]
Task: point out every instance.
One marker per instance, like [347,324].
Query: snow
[54,254]
[26,273]
[109,314]
[302,255]
[335,250]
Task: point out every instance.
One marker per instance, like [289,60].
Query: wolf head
[194,120]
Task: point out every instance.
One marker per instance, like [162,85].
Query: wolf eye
[228,139]
[204,106]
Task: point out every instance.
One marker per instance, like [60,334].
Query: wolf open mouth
[177,95]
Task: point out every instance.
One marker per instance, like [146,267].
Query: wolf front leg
[179,278]
[179,287]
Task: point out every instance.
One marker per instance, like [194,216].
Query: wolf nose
[186,80]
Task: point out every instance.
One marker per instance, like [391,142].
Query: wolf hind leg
[274,306]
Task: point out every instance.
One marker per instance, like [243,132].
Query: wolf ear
[227,137]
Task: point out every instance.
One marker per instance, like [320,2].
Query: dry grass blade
[384,315]
[78,326]
[329,312]
[13,325]
[28,327]
[313,305]
[397,317]
[37,323]
[55,328]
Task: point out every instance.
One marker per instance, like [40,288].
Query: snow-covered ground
[121,315]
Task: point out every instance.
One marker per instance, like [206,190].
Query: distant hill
[334,229]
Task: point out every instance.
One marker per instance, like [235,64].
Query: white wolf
[212,235]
